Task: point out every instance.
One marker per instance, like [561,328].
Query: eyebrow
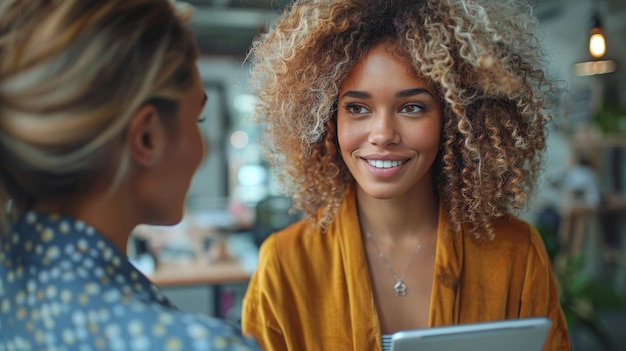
[403,93]
[356,94]
[206,98]
[412,92]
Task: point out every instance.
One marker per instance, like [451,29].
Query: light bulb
[597,43]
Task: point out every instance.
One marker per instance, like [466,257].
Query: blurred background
[580,209]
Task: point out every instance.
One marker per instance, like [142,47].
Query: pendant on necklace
[400,288]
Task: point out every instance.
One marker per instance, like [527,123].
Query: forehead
[384,64]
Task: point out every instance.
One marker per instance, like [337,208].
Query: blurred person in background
[100,102]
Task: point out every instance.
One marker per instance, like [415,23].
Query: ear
[146,136]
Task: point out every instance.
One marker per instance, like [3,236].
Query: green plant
[581,296]
[610,119]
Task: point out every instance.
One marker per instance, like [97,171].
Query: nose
[383,130]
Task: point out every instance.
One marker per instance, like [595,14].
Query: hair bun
[182,10]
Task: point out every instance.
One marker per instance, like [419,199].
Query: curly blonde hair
[481,56]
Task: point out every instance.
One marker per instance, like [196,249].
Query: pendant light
[597,41]
[597,50]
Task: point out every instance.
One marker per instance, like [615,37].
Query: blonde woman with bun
[409,132]
[100,102]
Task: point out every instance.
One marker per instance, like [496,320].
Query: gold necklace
[399,287]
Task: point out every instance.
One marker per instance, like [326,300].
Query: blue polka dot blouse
[63,286]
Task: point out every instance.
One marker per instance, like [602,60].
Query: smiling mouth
[385,163]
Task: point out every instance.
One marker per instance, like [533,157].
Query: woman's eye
[356,109]
[412,108]
[202,118]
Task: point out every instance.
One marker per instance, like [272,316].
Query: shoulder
[296,256]
[138,323]
[298,259]
[296,241]
[509,228]
[516,239]
[80,317]
[512,228]
[166,328]
[520,236]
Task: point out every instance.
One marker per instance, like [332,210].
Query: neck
[111,213]
[398,219]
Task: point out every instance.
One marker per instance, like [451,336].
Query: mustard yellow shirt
[312,290]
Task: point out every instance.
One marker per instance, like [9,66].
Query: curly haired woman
[408,132]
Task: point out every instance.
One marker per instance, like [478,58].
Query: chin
[165,219]
[380,193]
[175,220]
[394,190]
[382,196]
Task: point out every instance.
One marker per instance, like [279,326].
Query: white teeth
[384,163]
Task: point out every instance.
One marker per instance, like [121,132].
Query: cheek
[199,147]
[193,138]
[425,137]
[345,134]
[190,148]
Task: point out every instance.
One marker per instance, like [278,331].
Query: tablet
[528,334]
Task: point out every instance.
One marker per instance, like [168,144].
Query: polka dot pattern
[63,286]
